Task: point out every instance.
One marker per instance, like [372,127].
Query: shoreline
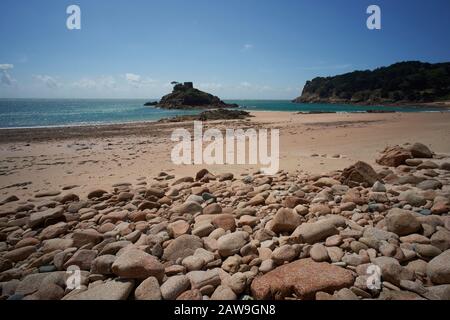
[443,106]
[434,104]
[158,121]
[75,125]
[81,159]
[156,128]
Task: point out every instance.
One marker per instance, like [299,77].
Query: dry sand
[84,158]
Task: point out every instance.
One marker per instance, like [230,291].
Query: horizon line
[148,99]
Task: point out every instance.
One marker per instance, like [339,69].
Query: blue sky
[262,49]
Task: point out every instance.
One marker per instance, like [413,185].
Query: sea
[30,113]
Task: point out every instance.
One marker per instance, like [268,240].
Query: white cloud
[138,81]
[247,46]
[6,66]
[85,83]
[265,88]
[49,81]
[102,82]
[133,78]
[244,85]
[107,81]
[6,78]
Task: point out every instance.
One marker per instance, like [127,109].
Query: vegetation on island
[400,83]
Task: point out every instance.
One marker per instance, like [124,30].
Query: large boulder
[312,232]
[83,258]
[223,293]
[88,236]
[402,222]
[213,208]
[136,264]
[103,264]
[438,269]
[430,184]
[112,290]
[148,290]
[441,292]
[413,198]
[20,254]
[182,247]
[96,193]
[225,221]
[392,271]
[359,173]
[285,220]
[419,150]
[178,228]
[394,156]
[200,279]
[56,244]
[188,207]
[174,286]
[304,278]
[54,230]
[38,219]
[231,243]
[5,264]
[32,282]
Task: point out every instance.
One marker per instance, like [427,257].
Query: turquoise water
[285,105]
[64,112]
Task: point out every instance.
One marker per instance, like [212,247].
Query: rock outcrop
[394,156]
[302,278]
[385,85]
[359,173]
[185,96]
[211,115]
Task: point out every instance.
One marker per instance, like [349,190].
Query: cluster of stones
[287,236]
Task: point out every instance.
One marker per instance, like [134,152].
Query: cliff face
[185,96]
[404,82]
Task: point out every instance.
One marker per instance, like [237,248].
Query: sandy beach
[85,158]
[228,152]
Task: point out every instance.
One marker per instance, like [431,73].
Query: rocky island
[185,96]
[401,83]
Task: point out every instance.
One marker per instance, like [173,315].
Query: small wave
[79,124]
